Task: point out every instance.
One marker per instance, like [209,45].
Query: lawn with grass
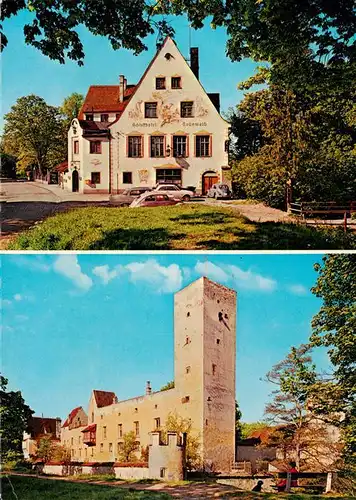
[32,488]
[183,227]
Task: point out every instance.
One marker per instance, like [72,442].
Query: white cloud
[5,302]
[18,297]
[35,263]
[235,275]
[251,280]
[165,279]
[211,271]
[298,289]
[104,273]
[68,266]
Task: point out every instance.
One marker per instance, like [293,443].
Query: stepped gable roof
[104,398]
[71,416]
[105,98]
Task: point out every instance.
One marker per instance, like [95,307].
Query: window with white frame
[135,146]
[202,145]
[180,146]
[157,146]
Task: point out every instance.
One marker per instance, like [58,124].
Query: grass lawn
[183,227]
[31,488]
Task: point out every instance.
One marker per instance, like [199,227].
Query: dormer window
[176,82]
[89,117]
[160,83]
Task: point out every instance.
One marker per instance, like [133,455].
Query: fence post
[329,480]
[345,222]
[289,481]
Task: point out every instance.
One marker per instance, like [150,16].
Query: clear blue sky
[76,323]
[26,70]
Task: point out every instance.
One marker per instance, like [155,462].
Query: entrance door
[209,178]
[75,181]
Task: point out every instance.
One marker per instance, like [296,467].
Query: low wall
[247,483]
[54,469]
[131,472]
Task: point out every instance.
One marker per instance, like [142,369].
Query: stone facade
[204,387]
[183,114]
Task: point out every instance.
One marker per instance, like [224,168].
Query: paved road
[24,203]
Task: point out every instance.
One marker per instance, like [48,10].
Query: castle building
[164,129]
[204,387]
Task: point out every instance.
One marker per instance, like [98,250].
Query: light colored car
[125,198]
[175,191]
[154,199]
[219,191]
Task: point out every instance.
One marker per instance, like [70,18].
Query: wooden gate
[209,178]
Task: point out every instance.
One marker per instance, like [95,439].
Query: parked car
[175,191]
[219,191]
[125,198]
[154,199]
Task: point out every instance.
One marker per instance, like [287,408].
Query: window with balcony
[202,146]
[150,110]
[135,149]
[176,82]
[157,146]
[180,146]
[186,109]
[95,147]
[160,83]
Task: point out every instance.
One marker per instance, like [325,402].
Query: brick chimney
[148,388]
[122,81]
[194,61]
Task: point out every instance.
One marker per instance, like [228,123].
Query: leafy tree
[307,43]
[61,454]
[45,448]
[7,166]
[334,327]
[53,27]
[36,132]
[70,108]
[14,415]
[176,423]
[129,446]
[238,424]
[169,385]
[293,378]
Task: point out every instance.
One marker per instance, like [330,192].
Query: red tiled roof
[61,167]
[104,398]
[91,427]
[105,98]
[71,416]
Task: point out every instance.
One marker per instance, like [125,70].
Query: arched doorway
[208,179]
[75,181]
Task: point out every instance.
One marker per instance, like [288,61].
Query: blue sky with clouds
[26,70]
[73,323]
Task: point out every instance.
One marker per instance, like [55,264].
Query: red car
[154,200]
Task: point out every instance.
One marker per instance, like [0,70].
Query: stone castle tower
[204,366]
